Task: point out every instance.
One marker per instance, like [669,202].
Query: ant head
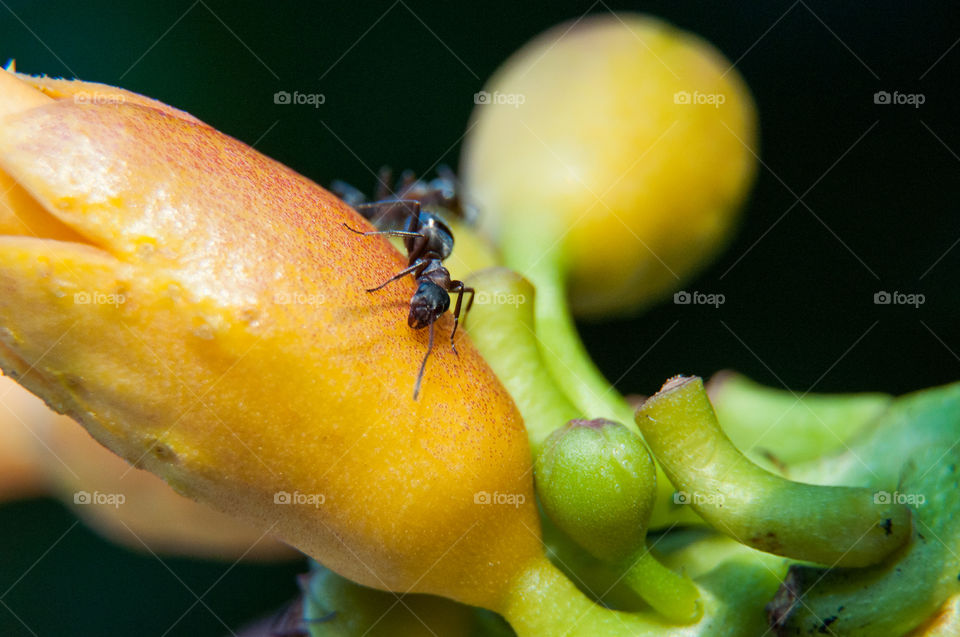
[428,302]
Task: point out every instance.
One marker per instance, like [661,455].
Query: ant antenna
[391,233]
[423,365]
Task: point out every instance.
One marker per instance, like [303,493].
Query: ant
[428,242]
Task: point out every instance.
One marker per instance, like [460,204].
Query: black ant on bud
[428,242]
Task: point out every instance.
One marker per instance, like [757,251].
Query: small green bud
[597,482]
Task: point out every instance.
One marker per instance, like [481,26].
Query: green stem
[674,596]
[840,526]
[600,581]
[542,602]
[561,346]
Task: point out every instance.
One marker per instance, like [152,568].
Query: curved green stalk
[539,257]
[560,344]
[674,596]
[733,577]
[884,600]
[788,427]
[598,580]
[838,526]
[542,602]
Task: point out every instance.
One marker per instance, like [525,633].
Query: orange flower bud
[202,311]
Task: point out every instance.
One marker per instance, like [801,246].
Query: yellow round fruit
[620,149]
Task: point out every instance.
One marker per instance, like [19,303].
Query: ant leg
[445,172]
[412,209]
[407,179]
[383,210]
[416,251]
[458,286]
[384,178]
[423,365]
[399,275]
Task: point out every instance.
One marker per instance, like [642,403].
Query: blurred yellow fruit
[618,149]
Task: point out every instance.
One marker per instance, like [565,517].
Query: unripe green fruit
[597,481]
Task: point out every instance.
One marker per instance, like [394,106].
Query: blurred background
[853,198]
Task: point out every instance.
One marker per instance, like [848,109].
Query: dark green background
[399,82]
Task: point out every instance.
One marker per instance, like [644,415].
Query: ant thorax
[438,237]
[436,273]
